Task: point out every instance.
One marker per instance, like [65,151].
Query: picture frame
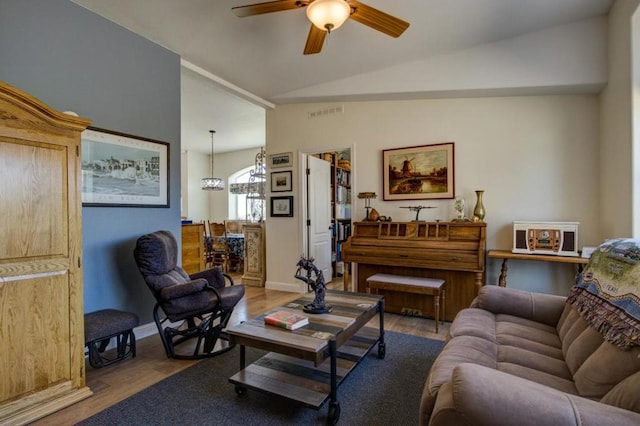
[419,172]
[123,170]
[281,160]
[281,181]
[282,206]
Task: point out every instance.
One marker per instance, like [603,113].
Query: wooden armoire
[41,303]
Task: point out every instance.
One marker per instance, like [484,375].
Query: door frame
[302,184]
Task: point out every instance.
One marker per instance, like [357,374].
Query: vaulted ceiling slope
[452,48]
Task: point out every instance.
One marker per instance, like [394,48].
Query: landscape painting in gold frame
[419,172]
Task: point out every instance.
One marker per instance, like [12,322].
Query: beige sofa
[523,358]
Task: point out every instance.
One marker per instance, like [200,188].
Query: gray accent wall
[75,60]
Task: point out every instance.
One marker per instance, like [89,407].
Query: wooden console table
[505,255]
[449,251]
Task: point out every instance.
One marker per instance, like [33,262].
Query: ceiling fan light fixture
[328,15]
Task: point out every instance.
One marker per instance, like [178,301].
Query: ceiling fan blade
[268,7]
[377,20]
[315,40]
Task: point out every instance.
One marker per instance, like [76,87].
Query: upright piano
[452,251]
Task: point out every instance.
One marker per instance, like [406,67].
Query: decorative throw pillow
[607,292]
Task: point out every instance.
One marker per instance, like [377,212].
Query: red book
[286,319]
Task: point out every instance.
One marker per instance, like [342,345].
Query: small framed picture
[281,160]
[281,181]
[282,206]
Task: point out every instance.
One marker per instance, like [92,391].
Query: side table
[505,255]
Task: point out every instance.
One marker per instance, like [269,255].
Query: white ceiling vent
[327,111]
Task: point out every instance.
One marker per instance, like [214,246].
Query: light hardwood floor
[118,381]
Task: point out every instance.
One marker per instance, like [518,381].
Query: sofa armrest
[480,395]
[539,307]
[183,289]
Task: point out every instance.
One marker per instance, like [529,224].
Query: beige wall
[616,127]
[195,204]
[536,157]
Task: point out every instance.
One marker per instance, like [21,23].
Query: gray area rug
[377,392]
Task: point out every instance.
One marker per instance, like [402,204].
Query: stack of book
[286,319]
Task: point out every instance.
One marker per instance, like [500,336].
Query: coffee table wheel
[334,413]
[240,390]
[382,350]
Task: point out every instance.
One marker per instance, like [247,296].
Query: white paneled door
[319,226]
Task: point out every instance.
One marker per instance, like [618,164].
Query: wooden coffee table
[306,365]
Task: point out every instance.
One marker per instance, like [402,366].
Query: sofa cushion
[572,332]
[457,350]
[461,349]
[480,396]
[507,330]
[605,368]
[508,325]
[525,342]
[625,394]
[532,360]
[567,319]
[538,307]
[474,322]
[582,348]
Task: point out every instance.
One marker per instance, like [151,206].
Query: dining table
[235,242]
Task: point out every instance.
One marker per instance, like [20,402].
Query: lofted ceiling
[243,65]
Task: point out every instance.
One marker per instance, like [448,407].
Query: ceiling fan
[329,15]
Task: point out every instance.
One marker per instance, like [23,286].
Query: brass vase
[478,211]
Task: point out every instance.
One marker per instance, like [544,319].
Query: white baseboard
[290,287]
[145,330]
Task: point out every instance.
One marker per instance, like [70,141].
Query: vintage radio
[554,238]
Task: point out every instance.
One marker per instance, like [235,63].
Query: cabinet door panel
[35,330]
[34,185]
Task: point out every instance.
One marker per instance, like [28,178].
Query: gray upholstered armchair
[196,306]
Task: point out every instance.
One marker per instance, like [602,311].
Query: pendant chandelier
[212,183]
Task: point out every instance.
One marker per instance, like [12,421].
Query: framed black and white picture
[282,206]
[124,170]
[281,181]
[280,160]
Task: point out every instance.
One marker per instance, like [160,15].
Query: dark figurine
[318,286]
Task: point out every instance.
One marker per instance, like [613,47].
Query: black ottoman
[101,326]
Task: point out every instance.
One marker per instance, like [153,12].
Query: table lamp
[367,196]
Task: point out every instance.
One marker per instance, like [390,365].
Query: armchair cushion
[214,277]
[156,253]
[182,289]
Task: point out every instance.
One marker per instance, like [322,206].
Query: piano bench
[407,284]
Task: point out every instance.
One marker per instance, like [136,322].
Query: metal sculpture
[318,286]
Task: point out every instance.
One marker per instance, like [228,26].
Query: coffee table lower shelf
[299,380]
